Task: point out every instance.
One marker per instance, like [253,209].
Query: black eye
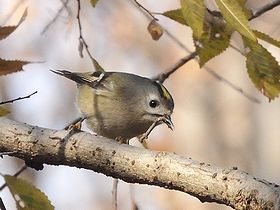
[153,103]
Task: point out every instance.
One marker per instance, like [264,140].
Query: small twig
[233,86]
[81,38]
[19,98]
[2,206]
[23,168]
[67,8]
[82,42]
[163,76]
[264,9]
[177,41]
[115,194]
[146,10]
[64,6]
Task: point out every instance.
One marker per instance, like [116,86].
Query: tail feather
[91,79]
[70,75]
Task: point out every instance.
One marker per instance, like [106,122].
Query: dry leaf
[155,30]
[7,66]
[7,30]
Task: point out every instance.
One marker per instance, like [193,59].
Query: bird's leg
[144,136]
[74,127]
[76,124]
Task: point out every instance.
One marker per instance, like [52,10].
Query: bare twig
[23,168]
[176,40]
[82,42]
[67,8]
[64,6]
[19,98]
[163,76]
[233,86]
[264,9]
[146,10]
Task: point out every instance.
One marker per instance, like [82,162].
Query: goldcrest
[121,105]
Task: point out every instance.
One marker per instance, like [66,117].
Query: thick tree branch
[208,183]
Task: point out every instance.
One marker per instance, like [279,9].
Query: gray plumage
[120,105]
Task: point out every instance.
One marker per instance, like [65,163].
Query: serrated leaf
[93,2]
[5,31]
[215,39]
[26,195]
[3,111]
[235,16]
[267,38]
[211,44]
[155,30]
[175,15]
[10,66]
[263,69]
[193,12]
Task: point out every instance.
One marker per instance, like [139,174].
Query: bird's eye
[154,103]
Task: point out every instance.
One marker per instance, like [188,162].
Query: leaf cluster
[212,31]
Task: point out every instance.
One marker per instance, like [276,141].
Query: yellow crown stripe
[165,92]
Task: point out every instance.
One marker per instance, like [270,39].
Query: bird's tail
[89,78]
[70,75]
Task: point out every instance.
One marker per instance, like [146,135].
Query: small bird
[120,105]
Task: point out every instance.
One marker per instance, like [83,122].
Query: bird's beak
[167,120]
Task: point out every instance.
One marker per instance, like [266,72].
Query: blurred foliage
[27,196]
[212,31]
[10,66]
[3,111]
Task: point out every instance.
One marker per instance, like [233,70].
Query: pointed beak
[167,120]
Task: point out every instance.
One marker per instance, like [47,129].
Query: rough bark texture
[208,183]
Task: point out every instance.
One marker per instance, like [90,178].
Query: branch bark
[208,183]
